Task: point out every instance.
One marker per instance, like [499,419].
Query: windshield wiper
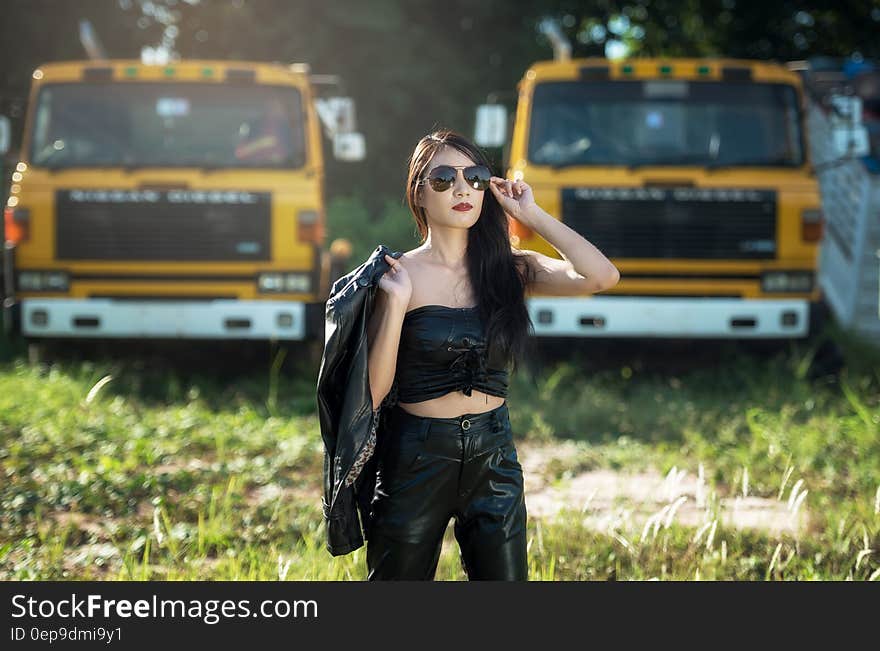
[56,168]
[782,161]
[685,159]
[134,167]
[212,167]
[128,168]
[571,163]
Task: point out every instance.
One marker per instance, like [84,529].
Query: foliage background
[414,65]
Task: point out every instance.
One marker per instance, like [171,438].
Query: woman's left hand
[515,197]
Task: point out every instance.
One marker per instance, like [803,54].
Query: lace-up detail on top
[470,365]
[443,349]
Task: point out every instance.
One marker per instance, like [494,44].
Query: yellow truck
[692,175]
[173,201]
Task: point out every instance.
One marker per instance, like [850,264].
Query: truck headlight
[30,281]
[284,282]
[787,281]
[42,281]
[270,282]
[297,282]
[56,281]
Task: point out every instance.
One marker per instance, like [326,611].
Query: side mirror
[349,146]
[851,141]
[491,127]
[5,134]
[337,114]
[850,136]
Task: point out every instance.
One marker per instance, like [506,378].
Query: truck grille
[168,225]
[698,223]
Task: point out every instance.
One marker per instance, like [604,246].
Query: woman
[450,317]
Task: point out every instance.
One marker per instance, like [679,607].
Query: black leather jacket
[346,415]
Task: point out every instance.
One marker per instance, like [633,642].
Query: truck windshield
[665,122]
[206,125]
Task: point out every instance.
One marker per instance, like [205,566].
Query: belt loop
[426,427]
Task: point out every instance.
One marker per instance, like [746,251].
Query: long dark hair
[498,276]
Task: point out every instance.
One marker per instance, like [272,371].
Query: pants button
[465,424]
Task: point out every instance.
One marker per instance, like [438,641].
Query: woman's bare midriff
[453,404]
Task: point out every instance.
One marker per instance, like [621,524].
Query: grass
[119,468]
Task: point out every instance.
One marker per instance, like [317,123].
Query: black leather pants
[431,469]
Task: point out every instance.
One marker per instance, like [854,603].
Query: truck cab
[693,176]
[173,201]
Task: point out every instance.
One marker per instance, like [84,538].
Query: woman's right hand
[395,282]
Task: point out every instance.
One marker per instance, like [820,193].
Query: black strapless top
[444,349]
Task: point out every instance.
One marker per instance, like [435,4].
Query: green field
[125,468]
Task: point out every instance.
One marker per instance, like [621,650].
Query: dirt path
[607,499]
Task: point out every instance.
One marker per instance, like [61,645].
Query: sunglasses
[442,177]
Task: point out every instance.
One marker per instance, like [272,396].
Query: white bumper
[218,319]
[622,316]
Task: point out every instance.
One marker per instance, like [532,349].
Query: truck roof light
[736,73]
[102,73]
[241,75]
[594,72]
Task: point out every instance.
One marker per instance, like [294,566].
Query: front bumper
[641,316]
[214,319]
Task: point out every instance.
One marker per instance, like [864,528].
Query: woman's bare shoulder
[411,259]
